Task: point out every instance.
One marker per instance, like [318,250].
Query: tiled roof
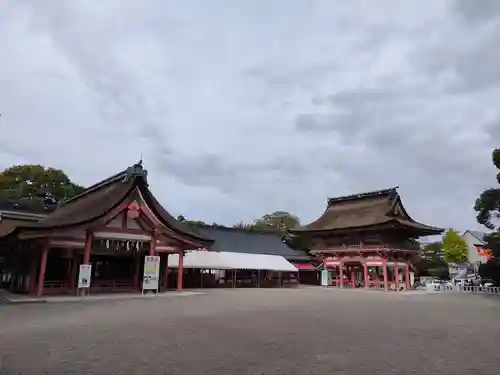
[238,240]
[479,235]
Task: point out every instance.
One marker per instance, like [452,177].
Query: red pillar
[152,245]
[386,281]
[165,273]
[365,275]
[341,274]
[86,254]
[396,274]
[180,270]
[43,266]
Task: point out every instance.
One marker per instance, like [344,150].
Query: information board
[325,278]
[84,276]
[151,274]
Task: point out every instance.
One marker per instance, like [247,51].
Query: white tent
[232,261]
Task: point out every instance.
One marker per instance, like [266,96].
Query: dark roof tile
[238,240]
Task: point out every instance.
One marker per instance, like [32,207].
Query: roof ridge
[233,229]
[136,169]
[368,194]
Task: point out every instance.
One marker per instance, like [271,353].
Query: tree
[431,261]
[455,248]
[487,207]
[242,225]
[278,221]
[488,204]
[36,183]
[433,253]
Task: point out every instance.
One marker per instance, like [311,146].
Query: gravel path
[304,331]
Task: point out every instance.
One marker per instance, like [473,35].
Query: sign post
[150,278]
[325,278]
[84,276]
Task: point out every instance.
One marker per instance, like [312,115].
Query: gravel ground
[304,331]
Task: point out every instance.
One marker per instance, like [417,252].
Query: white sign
[84,276]
[151,274]
[325,278]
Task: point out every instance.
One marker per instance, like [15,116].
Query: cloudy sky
[245,107]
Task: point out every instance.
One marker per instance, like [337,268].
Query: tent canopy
[232,261]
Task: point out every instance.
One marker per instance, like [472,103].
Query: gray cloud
[247,108]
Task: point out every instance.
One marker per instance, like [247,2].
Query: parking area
[258,331]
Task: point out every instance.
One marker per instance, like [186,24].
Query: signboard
[84,275]
[151,274]
[325,278]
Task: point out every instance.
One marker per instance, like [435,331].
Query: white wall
[473,256]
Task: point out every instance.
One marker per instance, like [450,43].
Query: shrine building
[366,240]
[112,225]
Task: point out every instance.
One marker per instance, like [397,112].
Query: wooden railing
[55,287]
[111,286]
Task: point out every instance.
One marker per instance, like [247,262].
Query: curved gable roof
[97,201]
[362,211]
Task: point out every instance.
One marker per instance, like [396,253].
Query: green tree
[242,225]
[455,248]
[487,207]
[488,204]
[430,261]
[433,253]
[278,221]
[37,183]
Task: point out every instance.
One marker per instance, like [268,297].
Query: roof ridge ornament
[136,170]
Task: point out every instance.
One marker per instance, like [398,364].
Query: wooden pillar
[165,273]
[137,271]
[88,248]
[152,245]
[73,273]
[365,276]
[33,274]
[407,275]
[43,266]
[353,277]
[280,280]
[396,275]
[86,255]
[341,274]
[180,270]
[386,279]
[258,278]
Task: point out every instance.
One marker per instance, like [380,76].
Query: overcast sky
[246,107]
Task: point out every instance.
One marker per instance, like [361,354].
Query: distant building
[477,251]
